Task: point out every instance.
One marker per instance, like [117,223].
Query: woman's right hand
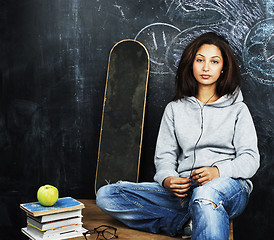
[177,185]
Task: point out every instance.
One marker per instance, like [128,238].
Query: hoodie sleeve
[167,148]
[247,159]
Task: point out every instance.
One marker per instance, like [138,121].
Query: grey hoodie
[220,134]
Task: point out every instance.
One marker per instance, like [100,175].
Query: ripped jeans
[152,208]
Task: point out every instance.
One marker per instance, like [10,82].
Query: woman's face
[207,65]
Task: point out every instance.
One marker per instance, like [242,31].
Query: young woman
[205,155]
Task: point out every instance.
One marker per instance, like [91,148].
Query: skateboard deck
[123,114]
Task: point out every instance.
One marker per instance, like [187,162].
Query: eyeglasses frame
[102,232]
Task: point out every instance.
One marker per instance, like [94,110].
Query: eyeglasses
[107,232]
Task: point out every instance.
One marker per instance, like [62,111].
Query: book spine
[50,234]
[54,224]
[56,216]
[68,233]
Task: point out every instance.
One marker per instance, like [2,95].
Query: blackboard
[53,57]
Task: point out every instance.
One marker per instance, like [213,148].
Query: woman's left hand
[205,174]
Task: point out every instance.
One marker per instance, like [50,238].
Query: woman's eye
[215,62]
[199,60]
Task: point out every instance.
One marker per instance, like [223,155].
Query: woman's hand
[205,174]
[177,185]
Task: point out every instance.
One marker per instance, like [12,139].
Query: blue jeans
[152,208]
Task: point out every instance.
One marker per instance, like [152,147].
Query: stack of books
[61,221]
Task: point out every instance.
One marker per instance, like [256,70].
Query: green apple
[47,195]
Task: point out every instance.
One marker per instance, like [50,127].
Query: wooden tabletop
[94,217]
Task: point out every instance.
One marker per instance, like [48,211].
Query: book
[69,233]
[62,205]
[54,224]
[54,233]
[61,221]
[57,216]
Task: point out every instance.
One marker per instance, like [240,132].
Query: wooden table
[94,217]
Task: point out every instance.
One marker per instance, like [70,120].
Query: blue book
[62,205]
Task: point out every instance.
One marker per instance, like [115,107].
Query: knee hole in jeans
[205,201]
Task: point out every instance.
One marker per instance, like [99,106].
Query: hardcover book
[57,233]
[54,224]
[62,205]
[57,216]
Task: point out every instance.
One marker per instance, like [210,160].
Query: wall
[52,76]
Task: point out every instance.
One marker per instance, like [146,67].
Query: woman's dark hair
[229,80]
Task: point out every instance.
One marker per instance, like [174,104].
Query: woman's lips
[204,76]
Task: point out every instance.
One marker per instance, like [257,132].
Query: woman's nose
[205,66]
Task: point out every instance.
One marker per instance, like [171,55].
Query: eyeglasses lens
[101,233]
[109,233]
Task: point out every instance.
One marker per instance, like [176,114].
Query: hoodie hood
[223,101]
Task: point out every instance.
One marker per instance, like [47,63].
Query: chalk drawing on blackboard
[196,15]
[270,8]
[157,37]
[258,52]
[120,10]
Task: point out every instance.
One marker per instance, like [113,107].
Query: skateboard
[123,114]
